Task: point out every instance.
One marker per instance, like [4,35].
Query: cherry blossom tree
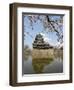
[51,23]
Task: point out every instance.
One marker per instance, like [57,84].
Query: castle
[41,49]
[39,43]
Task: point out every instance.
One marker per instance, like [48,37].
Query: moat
[43,58]
[48,65]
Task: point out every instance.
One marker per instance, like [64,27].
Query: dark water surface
[36,66]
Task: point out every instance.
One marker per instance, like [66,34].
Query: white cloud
[42,34]
[49,40]
[46,39]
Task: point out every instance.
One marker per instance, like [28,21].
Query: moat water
[38,66]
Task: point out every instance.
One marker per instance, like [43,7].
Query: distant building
[39,43]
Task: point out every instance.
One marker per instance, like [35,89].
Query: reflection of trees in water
[27,52]
[38,64]
[58,53]
[26,57]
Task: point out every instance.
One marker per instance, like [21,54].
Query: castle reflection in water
[42,59]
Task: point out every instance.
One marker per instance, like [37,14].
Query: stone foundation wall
[42,53]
